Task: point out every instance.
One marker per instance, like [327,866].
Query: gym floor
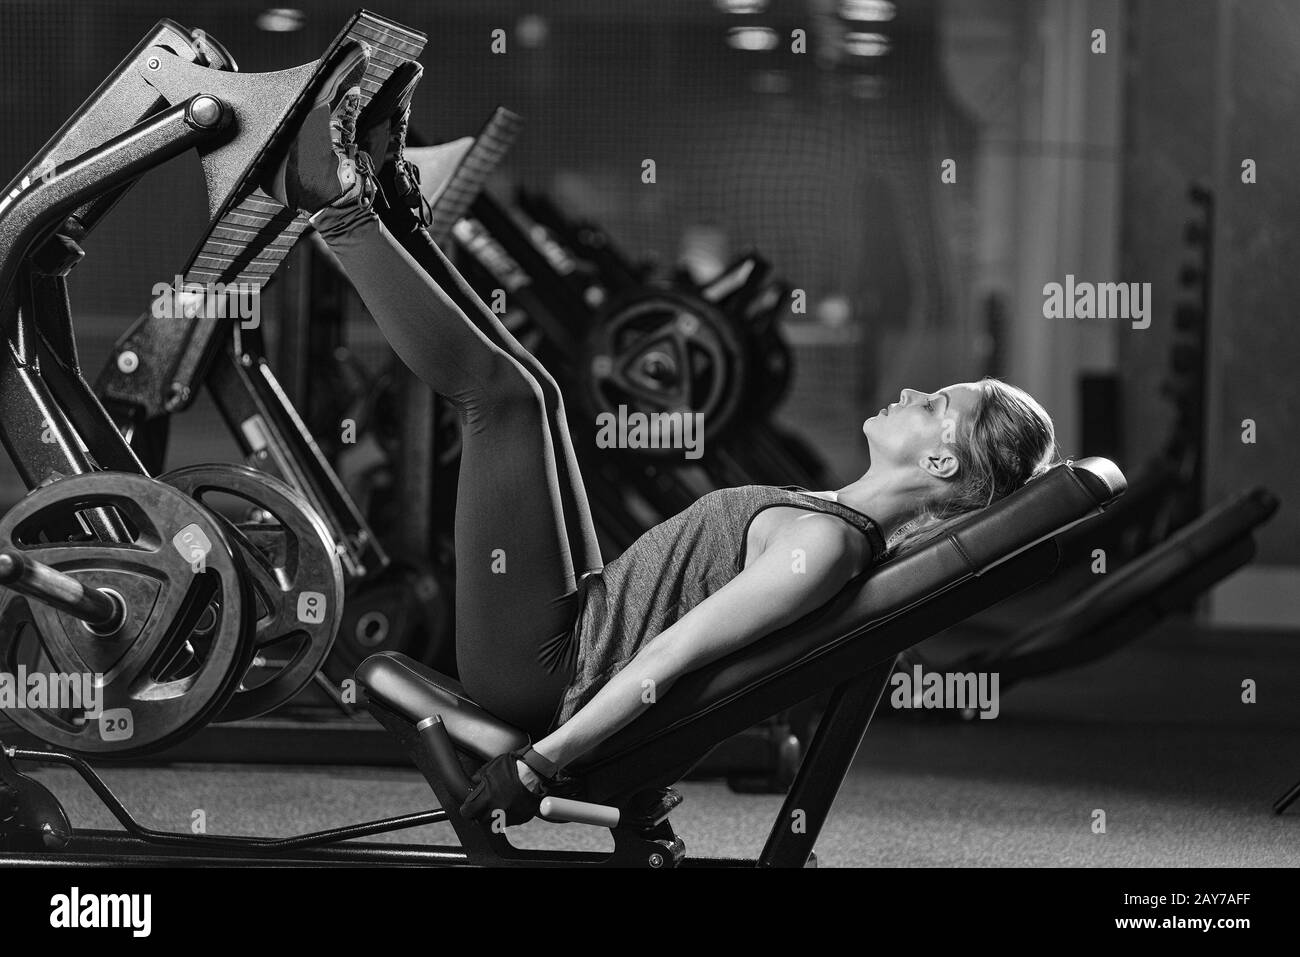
[1155,735]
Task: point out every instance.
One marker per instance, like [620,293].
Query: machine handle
[560,810]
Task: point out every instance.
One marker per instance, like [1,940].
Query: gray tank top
[668,571]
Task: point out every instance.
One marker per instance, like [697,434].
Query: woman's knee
[508,385]
[552,398]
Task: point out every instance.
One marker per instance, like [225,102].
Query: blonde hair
[1005,442]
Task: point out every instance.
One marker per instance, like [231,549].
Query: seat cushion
[416,692]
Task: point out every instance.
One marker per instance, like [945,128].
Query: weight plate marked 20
[184,638]
[294,572]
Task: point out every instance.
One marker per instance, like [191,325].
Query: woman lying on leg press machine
[549,638]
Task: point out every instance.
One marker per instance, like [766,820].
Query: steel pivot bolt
[205,110]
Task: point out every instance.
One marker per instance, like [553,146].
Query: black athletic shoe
[321,167]
[381,133]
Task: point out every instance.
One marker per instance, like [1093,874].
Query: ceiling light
[752,38]
[280,20]
[879,10]
[866,44]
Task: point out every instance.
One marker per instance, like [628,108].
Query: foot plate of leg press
[251,233]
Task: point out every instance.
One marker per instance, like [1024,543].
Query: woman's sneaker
[381,133]
[321,166]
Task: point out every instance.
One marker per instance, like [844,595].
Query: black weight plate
[406,608]
[665,351]
[186,638]
[295,576]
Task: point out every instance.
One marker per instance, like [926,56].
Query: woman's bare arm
[802,566]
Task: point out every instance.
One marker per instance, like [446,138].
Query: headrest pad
[1064,495]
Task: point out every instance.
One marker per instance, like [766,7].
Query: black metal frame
[274,439]
[648,840]
[45,402]
[160,100]
[166,96]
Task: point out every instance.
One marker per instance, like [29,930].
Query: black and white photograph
[655,435]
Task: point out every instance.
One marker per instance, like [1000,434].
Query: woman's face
[920,427]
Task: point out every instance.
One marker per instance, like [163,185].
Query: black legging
[523,533]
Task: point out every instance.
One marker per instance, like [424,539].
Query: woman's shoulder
[777,492]
[828,504]
[747,498]
[732,493]
[756,495]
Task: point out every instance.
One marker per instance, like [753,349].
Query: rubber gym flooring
[1155,735]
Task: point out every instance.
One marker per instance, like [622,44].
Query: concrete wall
[1048,178]
[1211,84]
